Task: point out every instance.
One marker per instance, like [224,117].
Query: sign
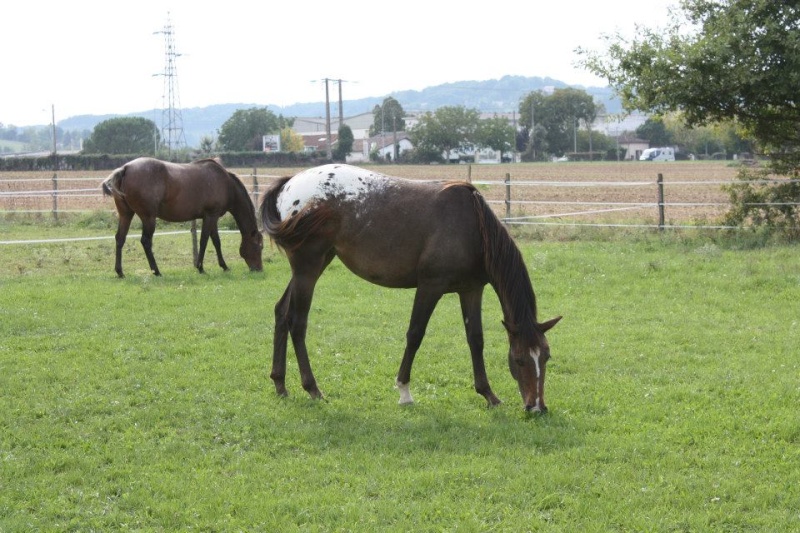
[272,143]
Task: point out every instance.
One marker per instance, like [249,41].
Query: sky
[86,57]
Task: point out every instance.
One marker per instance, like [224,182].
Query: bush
[759,200]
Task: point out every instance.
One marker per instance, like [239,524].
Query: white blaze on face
[327,181]
[534,352]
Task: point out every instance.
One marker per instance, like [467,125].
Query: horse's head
[250,250]
[527,359]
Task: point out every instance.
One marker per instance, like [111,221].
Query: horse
[436,237]
[174,192]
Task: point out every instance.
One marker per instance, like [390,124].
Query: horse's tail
[289,234]
[112,184]
[270,217]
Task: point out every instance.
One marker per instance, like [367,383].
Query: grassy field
[145,403]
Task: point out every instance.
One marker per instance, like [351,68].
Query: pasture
[145,403]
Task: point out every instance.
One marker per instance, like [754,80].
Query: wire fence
[614,203]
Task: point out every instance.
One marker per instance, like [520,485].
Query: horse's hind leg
[148,229]
[291,319]
[123,225]
[424,303]
[471,314]
[279,341]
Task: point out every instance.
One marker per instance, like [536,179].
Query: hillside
[501,95]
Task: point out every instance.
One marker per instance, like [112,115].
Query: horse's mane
[237,182]
[506,268]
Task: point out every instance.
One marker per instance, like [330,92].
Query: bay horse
[175,192]
[436,237]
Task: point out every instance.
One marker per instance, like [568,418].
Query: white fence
[658,204]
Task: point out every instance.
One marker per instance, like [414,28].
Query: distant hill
[501,95]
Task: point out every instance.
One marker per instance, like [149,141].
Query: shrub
[760,200]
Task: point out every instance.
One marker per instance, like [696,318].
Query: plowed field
[623,192]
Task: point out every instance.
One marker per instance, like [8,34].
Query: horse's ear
[545,326]
[510,328]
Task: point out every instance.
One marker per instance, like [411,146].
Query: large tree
[449,128]
[716,61]
[387,117]
[496,133]
[123,135]
[245,129]
[555,119]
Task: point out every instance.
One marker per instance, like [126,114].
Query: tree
[245,129]
[291,141]
[345,143]
[496,133]
[655,131]
[738,61]
[123,135]
[206,145]
[449,128]
[387,117]
[530,117]
[555,119]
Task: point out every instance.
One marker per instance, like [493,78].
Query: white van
[658,154]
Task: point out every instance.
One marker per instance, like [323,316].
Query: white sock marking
[405,393]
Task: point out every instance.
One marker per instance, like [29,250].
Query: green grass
[145,403]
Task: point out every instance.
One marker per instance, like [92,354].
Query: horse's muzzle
[535,409]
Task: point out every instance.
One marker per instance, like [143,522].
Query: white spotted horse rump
[327,182]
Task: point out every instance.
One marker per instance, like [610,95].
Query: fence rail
[659,203]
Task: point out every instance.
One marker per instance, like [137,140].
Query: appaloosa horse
[152,189]
[437,237]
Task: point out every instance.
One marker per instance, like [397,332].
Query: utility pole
[341,108]
[171,119]
[328,110]
[328,119]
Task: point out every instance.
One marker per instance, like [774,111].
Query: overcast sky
[103,57]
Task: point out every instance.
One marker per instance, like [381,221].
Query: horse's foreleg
[123,226]
[471,314]
[279,340]
[214,232]
[424,303]
[148,229]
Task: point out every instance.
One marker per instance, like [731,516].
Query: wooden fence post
[194,242]
[255,186]
[508,196]
[55,196]
[660,182]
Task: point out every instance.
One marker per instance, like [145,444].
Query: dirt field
[624,193]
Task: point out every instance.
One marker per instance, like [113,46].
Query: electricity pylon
[171,119]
